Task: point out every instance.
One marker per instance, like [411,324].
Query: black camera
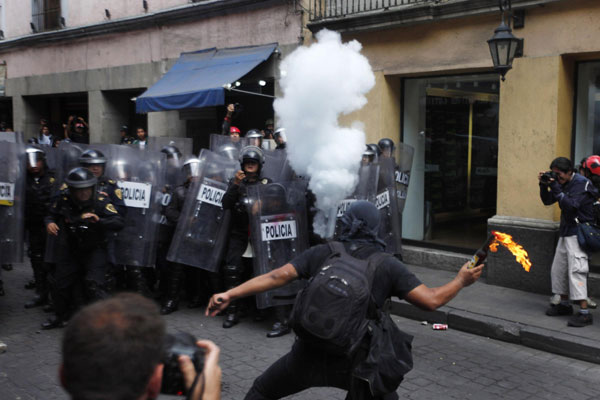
[176,345]
[546,176]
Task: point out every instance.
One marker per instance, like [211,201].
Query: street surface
[448,364]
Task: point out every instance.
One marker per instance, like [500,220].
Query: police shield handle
[481,254]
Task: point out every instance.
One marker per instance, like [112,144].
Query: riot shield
[200,238]
[141,176]
[390,228]
[12,137]
[366,189]
[226,147]
[276,166]
[403,159]
[278,232]
[184,144]
[12,201]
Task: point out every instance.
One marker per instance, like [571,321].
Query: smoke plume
[320,82]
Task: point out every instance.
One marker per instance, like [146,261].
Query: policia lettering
[278,230]
[210,195]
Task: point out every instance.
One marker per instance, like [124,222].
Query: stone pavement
[448,364]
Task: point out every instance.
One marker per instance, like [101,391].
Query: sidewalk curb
[507,331]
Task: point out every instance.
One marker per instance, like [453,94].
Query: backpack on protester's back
[332,311]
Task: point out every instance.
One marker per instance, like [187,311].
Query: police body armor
[140,175]
[278,233]
[201,235]
[12,201]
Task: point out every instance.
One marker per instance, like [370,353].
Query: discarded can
[440,327]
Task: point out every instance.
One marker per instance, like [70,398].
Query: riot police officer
[280,139]
[254,138]
[40,183]
[176,271]
[80,218]
[235,199]
[387,147]
[166,227]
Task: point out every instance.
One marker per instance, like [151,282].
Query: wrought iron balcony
[323,9]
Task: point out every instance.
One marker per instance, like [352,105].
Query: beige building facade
[479,142]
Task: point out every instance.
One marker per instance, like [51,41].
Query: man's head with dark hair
[141,133]
[360,223]
[563,164]
[112,350]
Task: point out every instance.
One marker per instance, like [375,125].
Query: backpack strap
[375,260]
[336,248]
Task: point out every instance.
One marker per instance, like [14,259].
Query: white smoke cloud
[319,83]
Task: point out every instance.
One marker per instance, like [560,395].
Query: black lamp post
[504,45]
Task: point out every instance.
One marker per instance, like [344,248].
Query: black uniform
[81,253]
[236,200]
[166,230]
[38,192]
[306,366]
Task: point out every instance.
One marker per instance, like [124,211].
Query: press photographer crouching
[575,195]
[118,349]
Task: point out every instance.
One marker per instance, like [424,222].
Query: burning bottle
[482,252]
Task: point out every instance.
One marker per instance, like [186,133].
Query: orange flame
[516,249]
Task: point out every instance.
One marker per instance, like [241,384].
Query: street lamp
[504,45]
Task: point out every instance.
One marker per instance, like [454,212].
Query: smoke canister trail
[320,82]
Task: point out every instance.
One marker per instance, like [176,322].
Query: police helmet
[92,156]
[374,148]
[280,133]
[32,140]
[34,155]
[254,137]
[171,151]
[80,178]
[386,144]
[228,150]
[191,167]
[368,155]
[253,153]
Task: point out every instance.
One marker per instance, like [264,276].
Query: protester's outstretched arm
[208,388]
[432,298]
[272,280]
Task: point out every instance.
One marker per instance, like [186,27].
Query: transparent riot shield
[141,176]
[276,166]
[12,137]
[184,144]
[366,189]
[12,201]
[390,229]
[278,232]
[403,159]
[226,147]
[200,238]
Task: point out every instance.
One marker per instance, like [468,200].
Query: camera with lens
[546,176]
[176,345]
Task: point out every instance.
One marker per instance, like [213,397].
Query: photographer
[575,195]
[77,130]
[113,349]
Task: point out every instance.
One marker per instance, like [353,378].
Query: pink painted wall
[156,43]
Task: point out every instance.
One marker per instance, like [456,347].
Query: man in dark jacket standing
[308,366]
[575,195]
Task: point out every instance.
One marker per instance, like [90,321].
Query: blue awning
[197,78]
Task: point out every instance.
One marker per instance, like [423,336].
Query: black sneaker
[559,309]
[580,320]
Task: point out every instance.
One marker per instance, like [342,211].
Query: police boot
[281,327]
[137,281]
[41,286]
[54,322]
[233,316]
[174,279]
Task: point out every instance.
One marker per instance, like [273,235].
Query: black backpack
[332,311]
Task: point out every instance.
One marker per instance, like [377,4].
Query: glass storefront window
[587,120]
[452,122]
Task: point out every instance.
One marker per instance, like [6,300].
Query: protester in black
[307,366]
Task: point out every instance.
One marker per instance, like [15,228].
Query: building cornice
[185,13]
[415,14]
